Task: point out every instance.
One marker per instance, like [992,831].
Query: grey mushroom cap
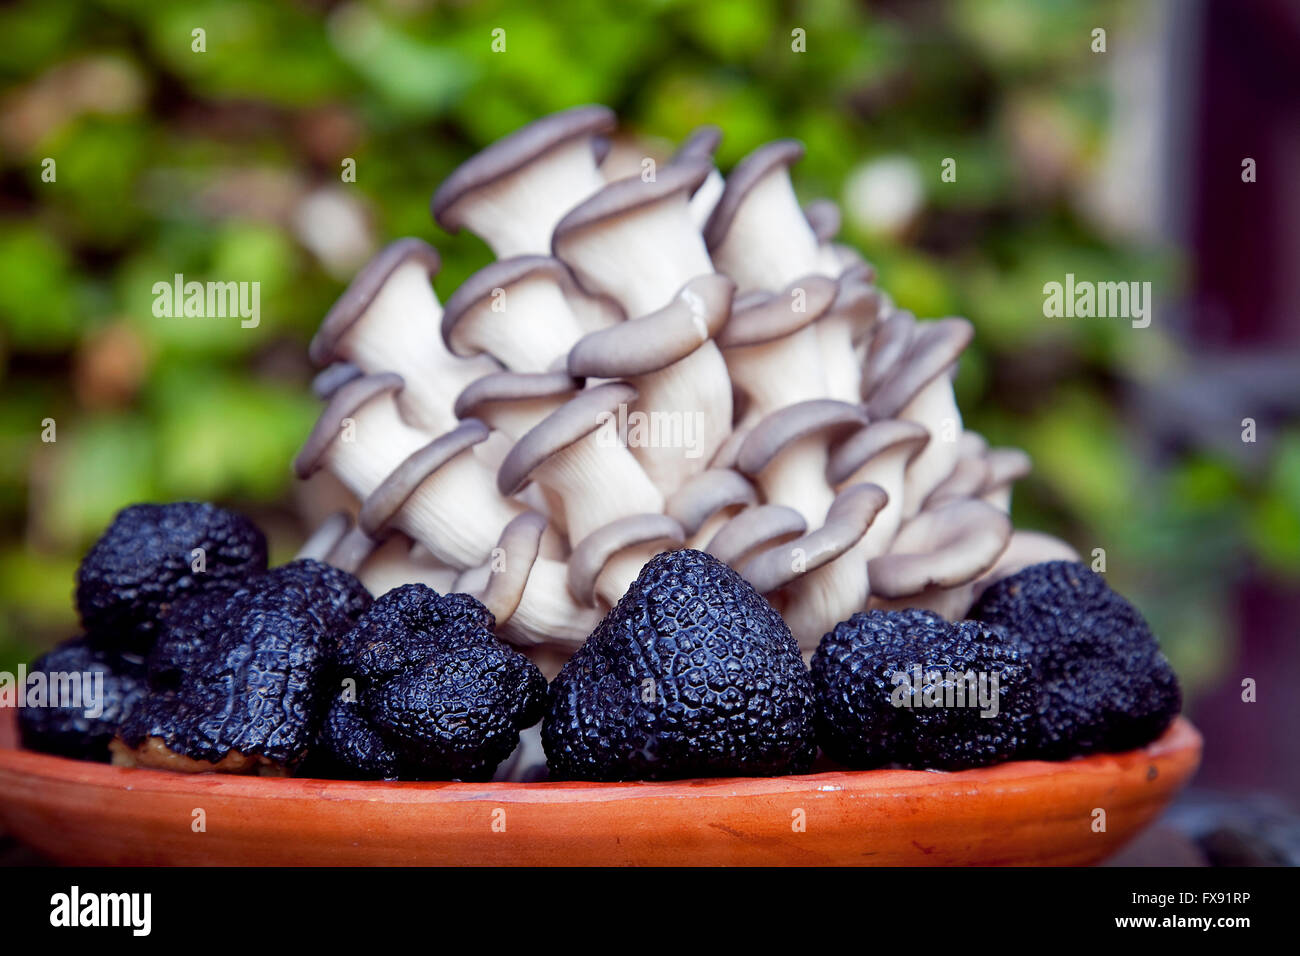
[496,388]
[848,519]
[702,143]
[744,177]
[601,145]
[520,543]
[825,219]
[625,195]
[351,550]
[501,274]
[946,547]
[592,553]
[935,348]
[889,343]
[387,500]
[512,152]
[1004,467]
[754,528]
[792,423]
[708,493]
[326,535]
[343,404]
[965,480]
[760,316]
[875,439]
[651,342]
[859,299]
[354,301]
[333,377]
[571,422]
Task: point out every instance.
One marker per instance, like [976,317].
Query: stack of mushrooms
[655,361]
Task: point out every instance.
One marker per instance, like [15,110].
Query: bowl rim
[1180,738]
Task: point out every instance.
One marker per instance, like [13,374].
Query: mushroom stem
[935,408]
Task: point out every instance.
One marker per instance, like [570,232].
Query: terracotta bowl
[1028,812]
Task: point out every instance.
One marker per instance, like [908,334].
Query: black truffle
[147,559]
[237,678]
[908,687]
[80,723]
[425,691]
[692,673]
[1106,684]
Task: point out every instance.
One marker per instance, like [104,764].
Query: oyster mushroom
[605,562]
[514,310]
[753,531]
[513,193]
[384,565]
[708,501]
[937,556]
[757,233]
[683,409]
[840,329]
[575,452]
[787,453]
[442,495]
[332,377]
[919,389]
[822,577]
[634,240]
[879,454]
[387,321]
[833,258]
[771,350]
[528,592]
[1005,466]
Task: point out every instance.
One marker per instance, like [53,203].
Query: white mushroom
[388,321]
[514,192]
[879,454]
[708,501]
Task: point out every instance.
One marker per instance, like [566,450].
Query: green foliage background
[173,161]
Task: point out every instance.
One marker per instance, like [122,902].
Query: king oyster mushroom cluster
[653,361]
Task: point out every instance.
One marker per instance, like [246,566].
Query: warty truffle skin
[691,674]
[68,731]
[424,690]
[144,562]
[1106,684]
[856,673]
[243,672]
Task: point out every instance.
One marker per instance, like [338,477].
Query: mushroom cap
[342,404]
[965,480]
[625,195]
[1026,548]
[702,143]
[858,299]
[1005,466]
[651,342]
[943,548]
[877,438]
[707,493]
[747,174]
[754,528]
[787,425]
[848,519]
[520,543]
[386,501]
[351,550]
[824,217]
[760,316]
[571,422]
[332,377]
[354,301]
[512,152]
[500,274]
[593,552]
[935,348]
[889,343]
[501,387]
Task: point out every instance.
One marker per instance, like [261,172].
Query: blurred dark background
[1119,165]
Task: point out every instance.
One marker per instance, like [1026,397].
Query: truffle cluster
[658,357]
